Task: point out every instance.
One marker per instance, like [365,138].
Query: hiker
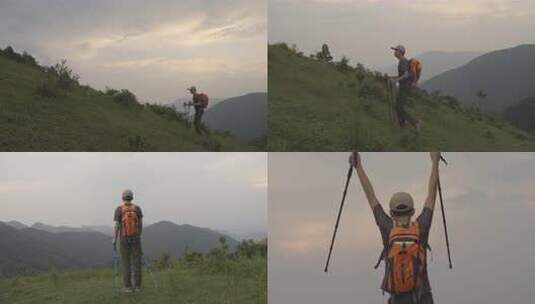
[200,102]
[407,79]
[128,226]
[405,241]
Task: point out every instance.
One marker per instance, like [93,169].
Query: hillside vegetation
[46,109]
[216,277]
[319,105]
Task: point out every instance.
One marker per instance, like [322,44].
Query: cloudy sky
[154,48]
[364,30]
[490,208]
[225,191]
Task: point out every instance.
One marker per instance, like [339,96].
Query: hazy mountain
[107,230]
[174,239]
[504,76]
[31,249]
[244,117]
[58,229]
[256,236]
[436,62]
[522,114]
[17,225]
[79,249]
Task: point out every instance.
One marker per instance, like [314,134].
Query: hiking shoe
[127,290]
[137,289]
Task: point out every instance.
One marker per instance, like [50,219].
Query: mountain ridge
[504,77]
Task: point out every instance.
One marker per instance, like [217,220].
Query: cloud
[149,47]
[13,187]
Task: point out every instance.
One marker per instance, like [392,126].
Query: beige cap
[400,48]
[128,195]
[401,202]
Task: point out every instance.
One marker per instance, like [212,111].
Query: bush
[167,112]
[371,89]
[47,89]
[25,58]
[343,64]
[488,134]
[136,143]
[67,80]
[125,98]
[162,262]
[110,91]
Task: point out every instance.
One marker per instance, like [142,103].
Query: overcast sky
[154,48]
[364,30]
[490,208]
[224,191]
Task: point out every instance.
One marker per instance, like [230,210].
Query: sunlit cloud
[222,46]
[12,187]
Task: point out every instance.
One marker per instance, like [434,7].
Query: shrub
[343,64]
[167,112]
[136,143]
[110,91]
[488,134]
[125,98]
[370,88]
[48,88]
[25,58]
[67,80]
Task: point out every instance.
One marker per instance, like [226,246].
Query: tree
[480,96]
[324,54]
[343,64]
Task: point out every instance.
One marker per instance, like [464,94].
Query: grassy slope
[316,107]
[246,284]
[85,120]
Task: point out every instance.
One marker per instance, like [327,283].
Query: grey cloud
[183,187]
[75,30]
[364,30]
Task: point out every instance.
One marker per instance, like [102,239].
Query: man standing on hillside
[128,227]
[407,82]
[199,102]
[405,240]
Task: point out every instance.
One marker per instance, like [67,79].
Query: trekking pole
[147,265]
[389,96]
[349,173]
[115,270]
[444,215]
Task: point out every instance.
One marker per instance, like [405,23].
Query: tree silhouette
[324,54]
[480,96]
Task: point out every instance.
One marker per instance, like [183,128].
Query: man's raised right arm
[356,162]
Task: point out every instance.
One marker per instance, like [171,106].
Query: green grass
[243,282]
[85,119]
[315,106]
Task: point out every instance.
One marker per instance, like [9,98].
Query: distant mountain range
[503,77]
[436,62]
[107,230]
[64,247]
[244,116]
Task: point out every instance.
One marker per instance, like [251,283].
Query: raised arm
[364,180]
[433,181]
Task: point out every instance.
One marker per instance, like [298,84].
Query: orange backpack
[415,70]
[406,260]
[129,221]
[203,100]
